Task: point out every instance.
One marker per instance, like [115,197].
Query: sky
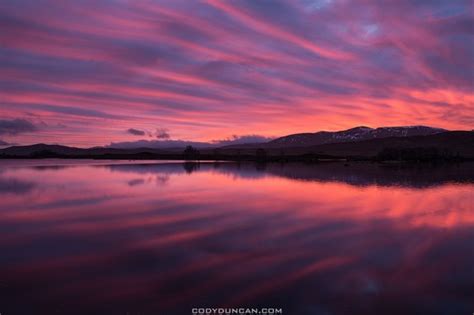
[95,72]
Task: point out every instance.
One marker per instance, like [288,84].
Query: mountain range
[355,142]
[356,134]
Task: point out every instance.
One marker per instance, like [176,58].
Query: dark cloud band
[16,126]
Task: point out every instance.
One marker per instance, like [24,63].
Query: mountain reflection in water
[164,238]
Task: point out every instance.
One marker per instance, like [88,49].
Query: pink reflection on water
[236,235]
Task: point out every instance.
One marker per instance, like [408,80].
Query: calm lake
[99,237]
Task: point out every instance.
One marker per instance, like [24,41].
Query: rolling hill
[359,142]
[356,134]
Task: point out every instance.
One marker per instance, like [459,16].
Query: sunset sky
[92,72]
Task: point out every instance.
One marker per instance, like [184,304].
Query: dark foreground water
[79,238]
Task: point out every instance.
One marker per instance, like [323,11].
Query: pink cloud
[268,68]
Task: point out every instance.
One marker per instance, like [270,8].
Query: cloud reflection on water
[310,239]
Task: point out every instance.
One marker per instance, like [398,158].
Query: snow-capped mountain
[352,135]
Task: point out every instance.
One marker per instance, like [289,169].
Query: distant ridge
[356,134]
[413,142]
[42,149]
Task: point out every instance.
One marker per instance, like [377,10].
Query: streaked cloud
[206,69]
[16,126]
[136,132]
[162,133]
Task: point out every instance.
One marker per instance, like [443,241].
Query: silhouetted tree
[191,153]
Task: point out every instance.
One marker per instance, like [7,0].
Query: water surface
[85,237]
